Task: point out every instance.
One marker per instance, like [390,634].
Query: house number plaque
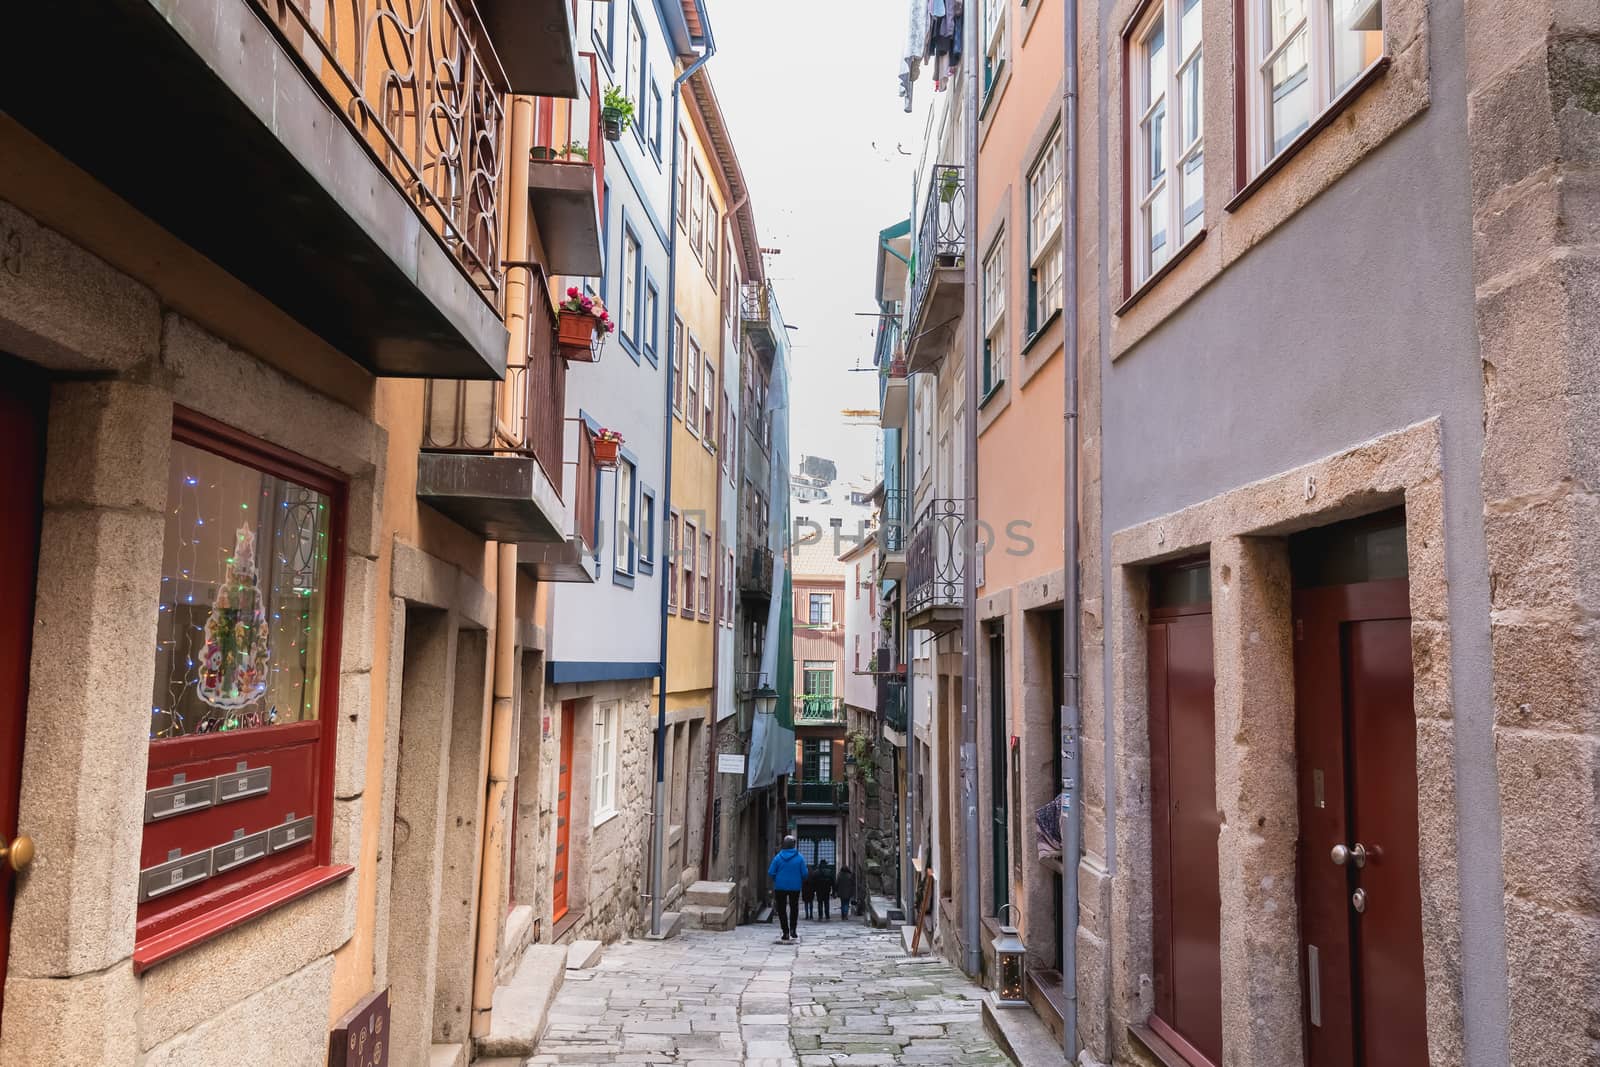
[361,1039]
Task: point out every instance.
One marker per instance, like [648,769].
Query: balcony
[935,568]
[894,401]
[492,451]
[940,263]
[755,572]
[892,530]
[571,560]
[814,710]
[566,180]
[763,323]
[815,795]
[343,158]
[893,704]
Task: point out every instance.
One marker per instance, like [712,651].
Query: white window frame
[633,77]
[691,403]
[994,43]
[625,535]
[708,552]
[1182,157]
[994,312]
[1045,180]
[688,568]
[708,400]
[630,286]
[1318,23]
[607,724]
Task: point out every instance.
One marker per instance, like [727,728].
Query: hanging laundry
[915,49]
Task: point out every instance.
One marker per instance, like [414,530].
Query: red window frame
[171,924]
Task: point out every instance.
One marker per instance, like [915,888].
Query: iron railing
[935,557]
[557,126]
[521,415]
[419,85]
[892,704]
[893,521]
[819,794]
[755,570]
[942,238]
[818,710]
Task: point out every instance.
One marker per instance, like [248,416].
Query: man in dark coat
[845,888]
[824,889]
[808,892]
[788,873]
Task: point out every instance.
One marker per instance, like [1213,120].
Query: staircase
[710,906]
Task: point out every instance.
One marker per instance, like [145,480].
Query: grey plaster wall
[1352,319]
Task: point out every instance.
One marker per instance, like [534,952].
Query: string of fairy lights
[286,523]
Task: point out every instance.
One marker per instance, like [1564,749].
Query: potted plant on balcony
[607,445]
[897,364]
[574,150]
[616,113]
[582,324]
[949,184]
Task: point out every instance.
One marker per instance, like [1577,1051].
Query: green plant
[949,183]
[575,150]
[619,107]
[860,750]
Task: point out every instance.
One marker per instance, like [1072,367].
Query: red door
[22,405]
[558,893]
[1184,826]
[1360,891]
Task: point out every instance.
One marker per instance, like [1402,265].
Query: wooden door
[1361,909]
[563,867]
[23,400]
[1186,947]
[999,749]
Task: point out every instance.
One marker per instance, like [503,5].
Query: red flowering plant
[608,435]
[582,303]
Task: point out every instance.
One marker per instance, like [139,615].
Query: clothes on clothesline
[936,30]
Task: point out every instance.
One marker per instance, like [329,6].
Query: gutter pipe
[971,919]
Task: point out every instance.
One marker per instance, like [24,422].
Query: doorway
[1360,891]
[23,400]
[999,793]
[559,897]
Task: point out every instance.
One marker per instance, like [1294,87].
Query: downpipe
[971,919]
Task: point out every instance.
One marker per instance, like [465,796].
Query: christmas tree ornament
[233,661]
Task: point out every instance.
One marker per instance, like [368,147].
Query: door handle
[1356,854]
[1358,900]
[18,854]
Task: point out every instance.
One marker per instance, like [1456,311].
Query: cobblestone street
[846,996]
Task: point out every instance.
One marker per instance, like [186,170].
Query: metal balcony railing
[419,85]
[818,710]
[564,135]
[760,317]
[521,415]
[755,570]
[942,238]
[819,794]
[893,521]
[892,698]
[935,557]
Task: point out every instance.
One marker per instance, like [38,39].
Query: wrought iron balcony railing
[418,83]
[893,522]
[817,710]
[755,571]
[819,794]
[892,699]
[758,312]
[935,558]
[942,237]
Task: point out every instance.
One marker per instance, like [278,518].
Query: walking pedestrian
[808,892]
[788,873]
[824,889]
[845,887]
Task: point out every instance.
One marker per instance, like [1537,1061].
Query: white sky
[810,91]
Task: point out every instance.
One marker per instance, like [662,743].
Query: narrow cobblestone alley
[846,996]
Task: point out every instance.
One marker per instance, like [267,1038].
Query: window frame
[625,534]
[656,119]
[647,530]
[628,305]
[708,552]
[677,366]
[598,11]
[1045,249]
[167,925]
[650,313]
[708,399]
[604,756]
[691,400]
[634,78]
[1176,97]
[688,549]
[713,238]
[697,196]
[815,599]
[682,206]
[673,548]
[993,290]
[993,39]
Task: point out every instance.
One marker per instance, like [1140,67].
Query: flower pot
[542,152]
[611,119]
[575,333]
[897,368]
[605,454]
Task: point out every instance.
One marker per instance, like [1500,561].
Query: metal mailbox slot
[178,798]
[243,782]
[243,849]
[292,832]
[178,872]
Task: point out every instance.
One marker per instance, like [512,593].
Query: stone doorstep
[671,926]
[522,1005]
[1022,1036]
[447,1056]
[710,894]
[583,954]
[707,917]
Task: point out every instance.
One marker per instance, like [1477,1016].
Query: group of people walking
[795,882]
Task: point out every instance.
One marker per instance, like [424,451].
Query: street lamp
[1011,963]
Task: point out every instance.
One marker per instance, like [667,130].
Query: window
[1305,54]
[821,609]
[655,120]
[697,196]
[633,79]
[727,591]
[692,404]
[708,391]
[686,563]
[816,759]
[683,180]
[600,26]
[677,365]
[245,673]
[1044,234]
[994,314]
[604,805]
[647,530]
[630,287]
[625,535]
[994,43]
[818,677]
[652,300]
[706,558]
[1168,146]
[713,239]
[674,548]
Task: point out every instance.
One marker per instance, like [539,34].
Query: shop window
[243,711]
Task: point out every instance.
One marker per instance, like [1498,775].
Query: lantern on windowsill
[1010,954]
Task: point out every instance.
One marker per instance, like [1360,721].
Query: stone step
[1021,1035]
[583,954]
[522,1005]
[671,926]
[705,917]
[711,894]
[447,1056]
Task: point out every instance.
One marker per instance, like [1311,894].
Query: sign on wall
[730,763]
[361,1039]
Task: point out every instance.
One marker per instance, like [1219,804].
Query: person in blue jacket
[788,873]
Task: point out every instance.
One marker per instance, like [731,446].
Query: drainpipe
[658,826]
[971,919]
[1071,808]
[519,283]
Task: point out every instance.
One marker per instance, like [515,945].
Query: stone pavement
[846,996]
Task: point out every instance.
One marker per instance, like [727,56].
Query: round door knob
[1356,855]
[19,853]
